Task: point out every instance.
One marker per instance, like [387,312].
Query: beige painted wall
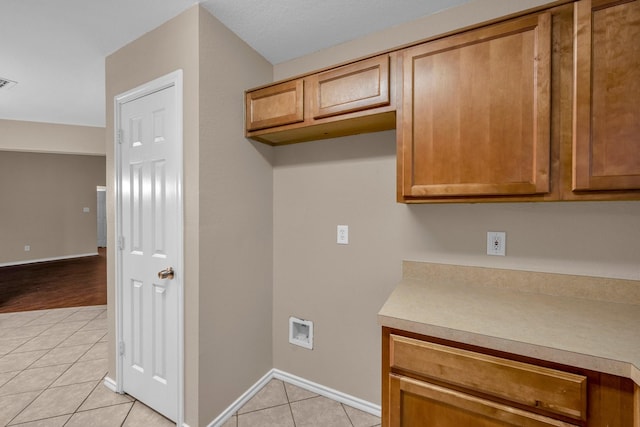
[236,222]
[318,185]
[18,135]
[43,196]
[228,205]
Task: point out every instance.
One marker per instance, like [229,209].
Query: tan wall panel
[43,196]
[18,135]
[236,222]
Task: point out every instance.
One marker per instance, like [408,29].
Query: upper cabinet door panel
[354,87]
[475,117]
[606,144]
[277,105]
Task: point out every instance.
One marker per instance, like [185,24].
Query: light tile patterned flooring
[280,404]
[52,364]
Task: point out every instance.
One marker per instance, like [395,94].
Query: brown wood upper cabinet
[276,105]
[346,100]
[475,117]
[606,145]
[542,106]
[355,87]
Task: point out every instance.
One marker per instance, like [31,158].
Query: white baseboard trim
[110,384]
[55,258]
[246,396]
[336,395]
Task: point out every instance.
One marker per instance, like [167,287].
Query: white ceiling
[55,49]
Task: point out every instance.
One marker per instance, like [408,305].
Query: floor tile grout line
[128,413]
[347,414]
[67,385]
[79,411]
[9,372]
[40,334]
[261,409]
[39,419]
[49,385]
[237,413]
[307,398]
[42,419]
[293,419]
[27,405]
[50,388]
[86,397]
[55,323]
[49,350]
[61,374]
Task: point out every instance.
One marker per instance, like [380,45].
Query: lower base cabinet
[419,403]
[428,382]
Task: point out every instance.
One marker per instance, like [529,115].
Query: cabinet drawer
[277,105]
[549,389]
[354,87]
[421,404]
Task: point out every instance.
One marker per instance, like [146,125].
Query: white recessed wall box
[301,332]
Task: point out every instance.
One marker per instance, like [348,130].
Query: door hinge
[121,243]
[120,136]
[121,348]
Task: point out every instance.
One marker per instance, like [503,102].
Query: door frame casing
[172,80]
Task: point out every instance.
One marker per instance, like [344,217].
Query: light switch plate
[343,234]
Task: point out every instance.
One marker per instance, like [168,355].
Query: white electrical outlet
[496,243]
[27,248]
[343,234]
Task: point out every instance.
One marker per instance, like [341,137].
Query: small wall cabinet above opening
[346,100]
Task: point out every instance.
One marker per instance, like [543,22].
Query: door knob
[167,273]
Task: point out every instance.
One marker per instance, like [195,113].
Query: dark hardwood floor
[54,284]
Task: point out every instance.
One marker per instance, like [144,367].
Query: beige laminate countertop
[554,321]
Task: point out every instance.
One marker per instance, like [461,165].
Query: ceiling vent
[6,83]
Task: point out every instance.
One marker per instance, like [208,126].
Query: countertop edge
[584,361]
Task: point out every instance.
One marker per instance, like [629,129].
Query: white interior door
[150,249]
